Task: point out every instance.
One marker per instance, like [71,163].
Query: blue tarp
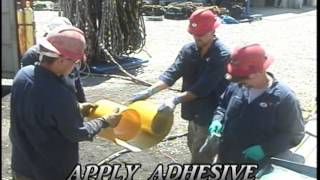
[228,20]
[224,19]
[104,67]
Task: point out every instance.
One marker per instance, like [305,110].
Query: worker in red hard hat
[258,117]
[248,61]
[46,122]
[202,65]
[73,80]
[201,22]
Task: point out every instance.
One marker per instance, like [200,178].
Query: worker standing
[202,66]
[258,116]
[73,80]
[46,121]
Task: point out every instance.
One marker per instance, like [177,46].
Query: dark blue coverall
[46,125]
[203,77]
[272,120]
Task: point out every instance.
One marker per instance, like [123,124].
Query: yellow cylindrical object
[151,121]
[29,22]
[155,125]
[21,29]
[128,126]
[141,124]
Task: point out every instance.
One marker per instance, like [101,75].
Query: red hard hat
[248,60]
[202,21]
[66,41]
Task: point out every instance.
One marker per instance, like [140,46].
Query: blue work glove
[142,95]
[215,128]
[113,119]
[169,104]
[254,152]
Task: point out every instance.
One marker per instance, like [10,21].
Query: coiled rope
[117,24]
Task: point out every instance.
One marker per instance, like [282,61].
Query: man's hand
[86,108]
[212,140]
[254,152]
[142,95]
[169,105]
[215,128]
[211,145]
[113,119]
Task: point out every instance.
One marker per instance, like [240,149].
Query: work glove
[215,128]
[112,120]
[254,152]
[86,108]
[142,95]
[169,105]
[161,119]
[211,144]
[212,140]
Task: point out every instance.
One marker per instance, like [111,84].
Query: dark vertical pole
[248,8]
[31,4]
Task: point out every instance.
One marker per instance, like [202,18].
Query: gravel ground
[289,35]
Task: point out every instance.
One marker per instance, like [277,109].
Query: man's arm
[78,85]
[290,127]
[208,81]
[168,78]
[70,122]
[220,111]
[145,94]
[30,57]
[80,92]
[158,86]
[216,126]
[186,96]
[174,72]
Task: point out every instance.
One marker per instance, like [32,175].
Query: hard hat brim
[46,44]
[237,72]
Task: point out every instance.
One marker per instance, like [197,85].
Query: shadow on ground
[5,90]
